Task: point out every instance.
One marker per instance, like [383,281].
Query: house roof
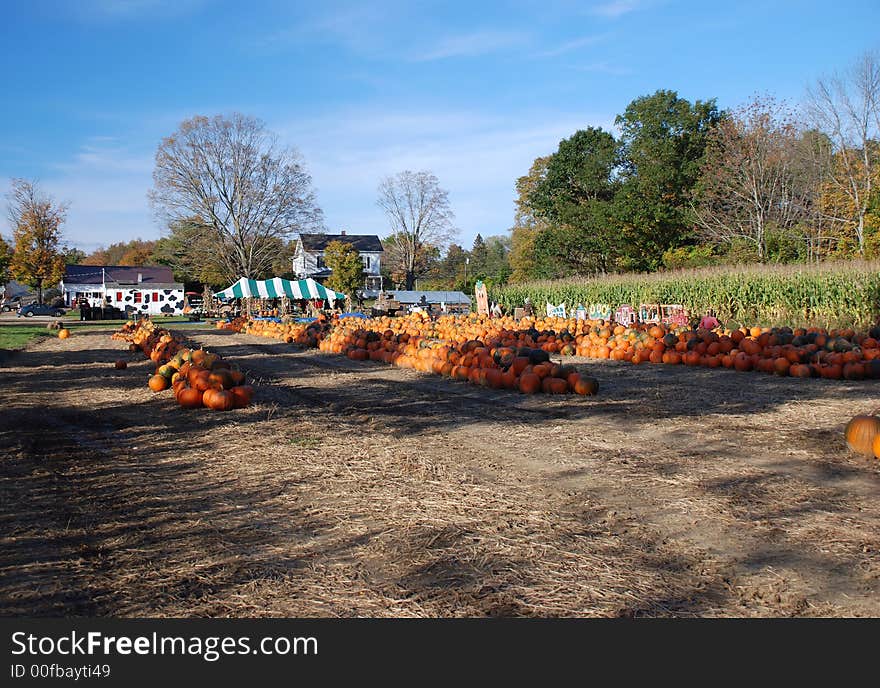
[430,296]
[362,242]
[122,274]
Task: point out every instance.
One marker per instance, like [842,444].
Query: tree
[496,267]
[347,265]
[74,256]
[249,192]
[5,260]
[579,173]
[449,272]
[421,221]
[189,251]
[134,252]
[662,142]
[750,184]
[38,257]
[847,108]
[574,195]
[527,224]
[478,256]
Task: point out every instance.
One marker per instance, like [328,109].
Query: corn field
[831,295]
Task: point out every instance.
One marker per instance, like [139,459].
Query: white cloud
[573,45]
[604,67]
[477,158]
[106,185]
[472,45]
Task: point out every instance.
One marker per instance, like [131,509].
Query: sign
[625,315]
[600,311]
[581,313]
[482,298]
[556,311]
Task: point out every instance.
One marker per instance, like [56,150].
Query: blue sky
[473,91]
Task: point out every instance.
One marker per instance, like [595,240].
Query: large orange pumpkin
[218,399]
[63,333]
[860,434]
[189,398]
[529,383]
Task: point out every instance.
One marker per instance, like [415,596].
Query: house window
[155,297]
[137,296]
[119,296]
[321,263]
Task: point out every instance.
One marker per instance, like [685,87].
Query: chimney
[342,233]
[140,277]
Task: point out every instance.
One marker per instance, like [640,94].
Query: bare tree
[847,108]
[749,182]
[420,217]
[249,192]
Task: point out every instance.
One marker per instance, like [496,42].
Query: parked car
[13,304]
[40,309]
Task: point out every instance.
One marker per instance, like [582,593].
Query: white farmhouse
[308,257]
[140,289]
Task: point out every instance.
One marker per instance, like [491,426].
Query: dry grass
[362,490]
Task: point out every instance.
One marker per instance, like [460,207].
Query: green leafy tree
[188,249]
[574,195]
[73,256]
[478,256]
[663,138]
[38,257]
[347,266]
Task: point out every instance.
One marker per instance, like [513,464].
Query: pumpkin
[218,399]
[586,386]
[860,434]
[241,395]
[120,365]
[529,383]
[158,382]
[189,398]
[63,333]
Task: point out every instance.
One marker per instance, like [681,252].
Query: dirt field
[357,489]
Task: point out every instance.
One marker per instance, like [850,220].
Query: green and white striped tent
[276,288]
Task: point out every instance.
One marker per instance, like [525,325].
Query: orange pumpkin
[189,398]
[860,434]
[63,333]
[529,383]
[159,382]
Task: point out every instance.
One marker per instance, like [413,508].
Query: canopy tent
[276,288]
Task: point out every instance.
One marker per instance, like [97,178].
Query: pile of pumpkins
[198,378]
[491,363]
[813,352]
[303,334]
[800,352]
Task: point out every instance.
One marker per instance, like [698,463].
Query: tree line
[680,184]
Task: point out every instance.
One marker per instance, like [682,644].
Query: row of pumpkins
[198,378]
[813,352]
[413,342]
